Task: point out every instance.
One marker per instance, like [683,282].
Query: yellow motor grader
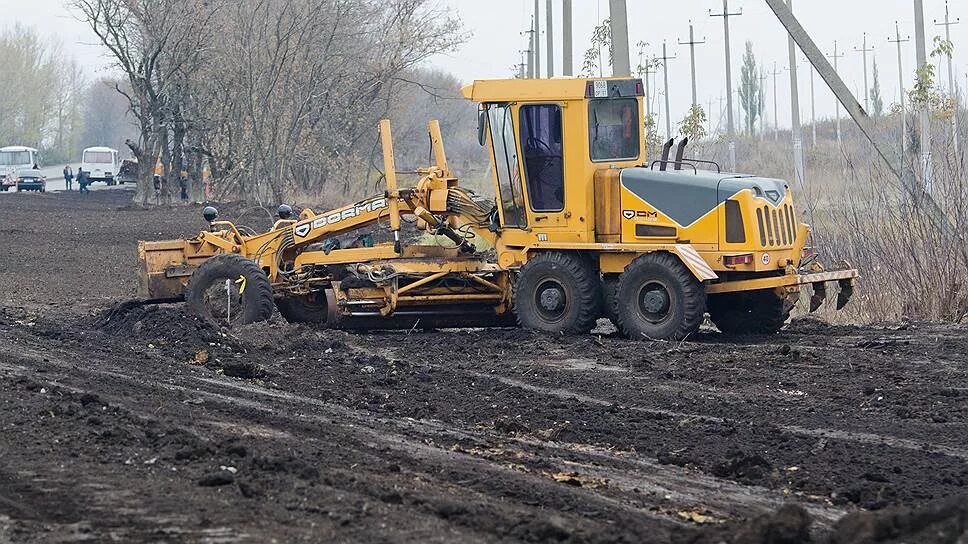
[581,228]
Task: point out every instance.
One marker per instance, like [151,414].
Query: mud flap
[819,296]
[846,291]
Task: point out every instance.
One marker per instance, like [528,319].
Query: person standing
[83,181]
[68,177]
[183,185]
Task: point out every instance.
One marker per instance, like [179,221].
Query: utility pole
[925,117]
[567,65]
[856,111]
[645,70]
[776,107]
[692,43]
[947,24]
[522,66]
[618,15]
[530,49]
[837,56]
[551,39]
[795,128]
[537,39]
[665,73]
[813,104]
[730,126]
[867,90]
[763,82]
[900,73]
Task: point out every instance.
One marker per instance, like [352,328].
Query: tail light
[738,260]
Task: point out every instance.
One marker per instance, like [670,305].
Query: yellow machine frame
[601,218]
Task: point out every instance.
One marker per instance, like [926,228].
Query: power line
[730,126]
[692,43]
[776,108]
[646,69]
[947,24]
[900,74]
[665,58]
[837,56]
[867,90]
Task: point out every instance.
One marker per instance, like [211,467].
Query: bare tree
[277,97]
[155,43]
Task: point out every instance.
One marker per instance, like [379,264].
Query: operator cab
[547,139]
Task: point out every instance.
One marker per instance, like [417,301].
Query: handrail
[695,170]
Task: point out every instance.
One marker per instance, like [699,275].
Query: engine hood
[686,196]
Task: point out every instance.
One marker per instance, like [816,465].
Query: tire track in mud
[833,434]
[424,457]
[670,489]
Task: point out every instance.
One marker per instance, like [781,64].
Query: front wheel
[658,298]
[230,290]
[558,293]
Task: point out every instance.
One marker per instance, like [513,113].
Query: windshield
[14,158]
[98,157]
[614,129]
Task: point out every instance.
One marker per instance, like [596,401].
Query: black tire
[754,312]
[658,298]
[206,292]
[304,309]
[609,292]
[559,293]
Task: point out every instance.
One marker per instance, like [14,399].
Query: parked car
[25,179]
[101,163]
[128,173]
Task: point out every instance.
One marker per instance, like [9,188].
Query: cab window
[543,158]
[614,129]
[506,164]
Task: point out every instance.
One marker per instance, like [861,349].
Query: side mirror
[482,127]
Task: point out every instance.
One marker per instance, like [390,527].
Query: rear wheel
[609,292]
[230,290]
[754,312]
[558,293]
[658,298]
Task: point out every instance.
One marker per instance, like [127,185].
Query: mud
[140,423]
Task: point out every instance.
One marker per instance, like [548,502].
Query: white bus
[101,163]
[16,157]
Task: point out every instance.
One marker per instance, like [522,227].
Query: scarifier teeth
[819,296]
[846,291]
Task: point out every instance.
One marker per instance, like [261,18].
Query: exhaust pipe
[666,149]
[681,152]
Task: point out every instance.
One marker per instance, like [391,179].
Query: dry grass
[914,262]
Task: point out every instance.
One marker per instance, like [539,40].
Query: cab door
[507,167]
[543,164]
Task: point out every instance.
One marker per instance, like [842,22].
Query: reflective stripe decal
[695,262]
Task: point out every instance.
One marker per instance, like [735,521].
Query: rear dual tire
[658,298]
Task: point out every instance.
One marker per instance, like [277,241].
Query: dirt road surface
[121,422]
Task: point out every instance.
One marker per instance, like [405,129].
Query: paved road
[55,179]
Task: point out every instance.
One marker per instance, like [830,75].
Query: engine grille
[777,226]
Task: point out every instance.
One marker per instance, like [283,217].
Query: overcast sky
[497,25]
